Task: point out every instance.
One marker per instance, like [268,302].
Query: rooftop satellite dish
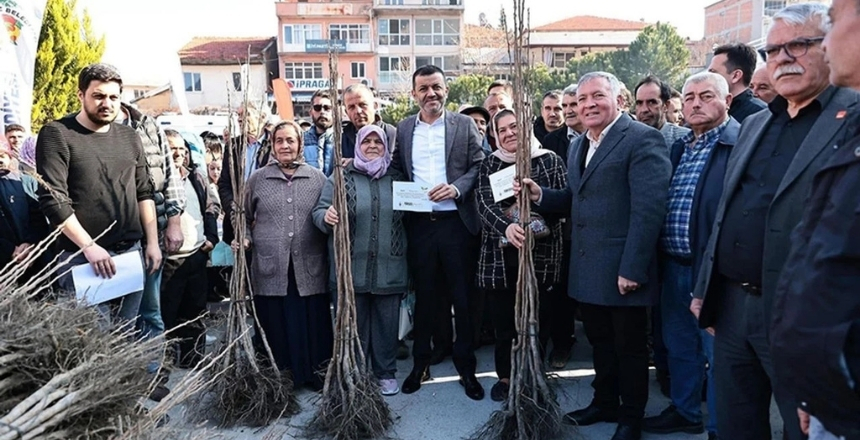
[482,18]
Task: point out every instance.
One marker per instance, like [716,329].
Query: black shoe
[402,351]
[413,381]
[627,432]
[499,391]
[473,388]
[158,393]
[439,356]
[713,436]
[670,421]
[558,358]
[590,415]
[665,382]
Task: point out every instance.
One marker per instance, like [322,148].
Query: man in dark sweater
[736,63]
[551,116]
[97,175]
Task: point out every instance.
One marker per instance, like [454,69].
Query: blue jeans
[688,346]
[149,323]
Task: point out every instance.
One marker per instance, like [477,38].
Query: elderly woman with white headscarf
[378,240]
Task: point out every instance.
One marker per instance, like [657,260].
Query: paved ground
[441,411]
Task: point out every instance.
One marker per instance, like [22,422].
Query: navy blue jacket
[21,220]
[709,189]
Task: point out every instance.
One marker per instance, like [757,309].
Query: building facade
[217,71]
[557,43]
[747,21]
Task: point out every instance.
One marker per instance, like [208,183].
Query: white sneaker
[389,387]
[210,339]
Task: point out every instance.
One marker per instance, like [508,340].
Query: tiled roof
[223,50]
[476,37]
[592,23]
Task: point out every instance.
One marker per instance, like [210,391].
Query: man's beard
[322,124]
[96,118]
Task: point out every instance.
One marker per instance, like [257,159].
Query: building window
[299,33]
[771,7]
[394,69]
[237,81]
[442,2]
[560,60]
[437,32]
[392,2]
[303,71]
[138,93]
[357,69]
[394,32]
[448,63]
[351,33]
[192,82]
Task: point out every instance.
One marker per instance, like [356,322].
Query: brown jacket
[281,229]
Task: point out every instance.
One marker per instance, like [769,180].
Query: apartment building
[306,31]
[747,21]
[413,33]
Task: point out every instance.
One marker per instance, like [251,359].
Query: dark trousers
[378,319]
[743,370]
[443,333]
[563,311]
[183,299]
[502,303]
[443,258]
[619,339]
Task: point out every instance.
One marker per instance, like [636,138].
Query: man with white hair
[761,86]
[699,161]
[618,178]
[816,329]
[777,154]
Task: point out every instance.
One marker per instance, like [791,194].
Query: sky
[142,40]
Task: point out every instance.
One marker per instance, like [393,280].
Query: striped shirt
[675,237]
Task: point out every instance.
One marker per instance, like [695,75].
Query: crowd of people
[712,230]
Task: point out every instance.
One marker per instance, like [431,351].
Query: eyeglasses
[320,107]
[794,48]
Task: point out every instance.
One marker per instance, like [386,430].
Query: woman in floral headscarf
[378,241]
[288,263]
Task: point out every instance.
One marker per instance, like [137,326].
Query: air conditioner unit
[450,78]
[367,81]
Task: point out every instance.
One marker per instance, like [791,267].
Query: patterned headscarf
[375,168]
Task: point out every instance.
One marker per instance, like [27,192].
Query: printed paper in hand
[411,196]
[92,289]
[502,183]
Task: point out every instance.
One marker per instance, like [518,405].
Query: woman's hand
[515,235]
[331,217]
[235,244]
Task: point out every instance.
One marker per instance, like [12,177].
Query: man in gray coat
[768,180]
[441,150]
[618,178]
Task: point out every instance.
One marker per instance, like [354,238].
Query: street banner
[19,40]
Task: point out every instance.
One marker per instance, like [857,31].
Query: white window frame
[394,76]
[566,56]
[355,33]
[443,32]
[303,70]
[298,34]
[403,38]
[440,62]
[195,79]
[358,69]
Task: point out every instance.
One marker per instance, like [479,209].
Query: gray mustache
[786,70]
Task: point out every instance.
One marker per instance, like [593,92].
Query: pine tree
[67,44]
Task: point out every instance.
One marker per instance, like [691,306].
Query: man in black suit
[441,149]
[736,63]
[768,180]
[816,329]
[618,178]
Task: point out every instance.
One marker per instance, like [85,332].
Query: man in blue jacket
[699,163]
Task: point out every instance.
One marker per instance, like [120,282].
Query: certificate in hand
[411,196]
[502,183]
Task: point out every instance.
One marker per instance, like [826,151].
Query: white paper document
[92,289]
[411,196]
[502,183]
